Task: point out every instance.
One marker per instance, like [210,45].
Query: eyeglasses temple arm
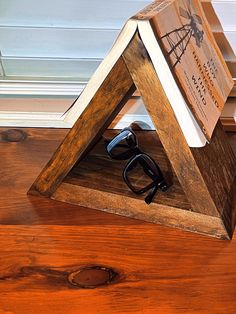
[151,194]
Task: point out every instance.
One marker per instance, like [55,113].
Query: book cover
[194,58]
[186,59]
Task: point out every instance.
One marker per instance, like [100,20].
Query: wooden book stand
[202,196]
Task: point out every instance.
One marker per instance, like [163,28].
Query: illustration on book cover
[192,55]
[179,38]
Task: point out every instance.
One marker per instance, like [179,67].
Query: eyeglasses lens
[121,146]
[141,172]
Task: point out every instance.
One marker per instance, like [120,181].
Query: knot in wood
[13,135]
[92,277]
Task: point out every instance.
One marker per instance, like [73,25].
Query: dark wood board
[108,100]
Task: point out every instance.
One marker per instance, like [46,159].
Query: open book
[186,59]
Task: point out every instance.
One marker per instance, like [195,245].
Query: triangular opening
[97,175]
[80,172]
[98,172]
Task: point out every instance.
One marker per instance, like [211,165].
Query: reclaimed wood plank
[104,106]
[189,164]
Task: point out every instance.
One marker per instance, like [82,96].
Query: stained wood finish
[217,164]
[13,135]
[45,243]
[233,92]
[229,124]
[98,115]
[189,164]
[97,182]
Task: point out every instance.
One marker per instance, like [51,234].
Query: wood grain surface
[97,182]
[44,244]
[94,120]
[202,173]
[199,169]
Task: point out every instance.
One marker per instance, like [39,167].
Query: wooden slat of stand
[201,172]
[208,209]
[217,164]
[229,124]
[105,105]
[170,134]
[97,182]
[99,172]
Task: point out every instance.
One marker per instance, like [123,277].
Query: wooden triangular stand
[201,200]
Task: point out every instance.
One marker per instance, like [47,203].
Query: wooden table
[46,246]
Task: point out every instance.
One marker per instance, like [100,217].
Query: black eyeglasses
[141,173]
